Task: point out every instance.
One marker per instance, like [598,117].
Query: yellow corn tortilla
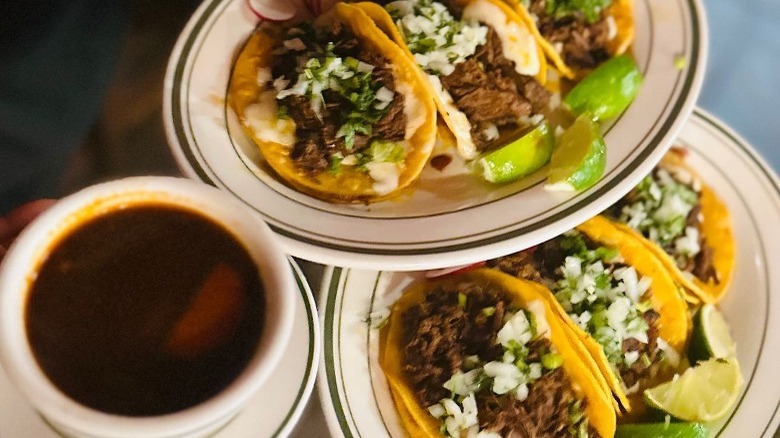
[673,321]
[622,12]
[350,184]
[385,22]
[584,373]
[715,227]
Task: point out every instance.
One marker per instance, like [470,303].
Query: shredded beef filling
[649,364]
[703,265]
[439,333]
[316,138]
[542,262]
[583,44]
[488,90]
[546,413]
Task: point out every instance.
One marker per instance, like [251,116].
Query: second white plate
[352,386]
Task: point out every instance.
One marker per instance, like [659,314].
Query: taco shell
[583,372]
[716,228]
[350,184]
[674,320]
[622,12]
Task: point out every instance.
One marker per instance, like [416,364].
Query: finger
[20,217]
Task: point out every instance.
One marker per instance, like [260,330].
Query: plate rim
[312,359]
[331,291]
[421,255]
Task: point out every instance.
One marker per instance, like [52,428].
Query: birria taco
[483,354]
[617,297]
[577,36]
[336,108]
[681,220]
[484,65]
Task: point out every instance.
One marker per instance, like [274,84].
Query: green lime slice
[662,430]
[704,392]
[522,157]
[607,90]
[579,159]
[710,337]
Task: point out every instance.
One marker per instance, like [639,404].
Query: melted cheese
[460,125]
[385,176]
[517,42]
[261,118]
[413,109]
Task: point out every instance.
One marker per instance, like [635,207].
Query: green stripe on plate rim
[710,122]
[329,340]
[311,319]
[334,294]
[286,231]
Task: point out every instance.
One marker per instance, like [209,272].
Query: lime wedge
[579,159]
[704,392]
[662,430]
[607,90]
[519,158]
[710,337]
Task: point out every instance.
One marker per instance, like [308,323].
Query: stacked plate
[372,251]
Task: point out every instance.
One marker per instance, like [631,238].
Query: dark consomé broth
[145,310]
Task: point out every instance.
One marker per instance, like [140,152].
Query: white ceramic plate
[273,412]
[448,217]
[354,391]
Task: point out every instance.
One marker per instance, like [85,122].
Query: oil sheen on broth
[145,311]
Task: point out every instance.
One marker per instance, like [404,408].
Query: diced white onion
[437,411]
[433,21]
[384,95]
[294,44]
[617,312]
[506,377]
[689,243]
[611,27]
[521,393]
[364,67]
[517,329]
[631,357]
[263,75]
[535,370]
[281,83]
[490,132]
[537,308]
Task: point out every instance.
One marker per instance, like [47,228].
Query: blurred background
[127,136]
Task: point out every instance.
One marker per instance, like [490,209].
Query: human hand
[14,222]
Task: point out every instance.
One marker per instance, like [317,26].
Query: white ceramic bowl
[18,270]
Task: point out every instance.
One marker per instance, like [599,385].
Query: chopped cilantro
[348,78]
[335,164]
[281,112]
[488,311]
[462,299]
[552,361]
